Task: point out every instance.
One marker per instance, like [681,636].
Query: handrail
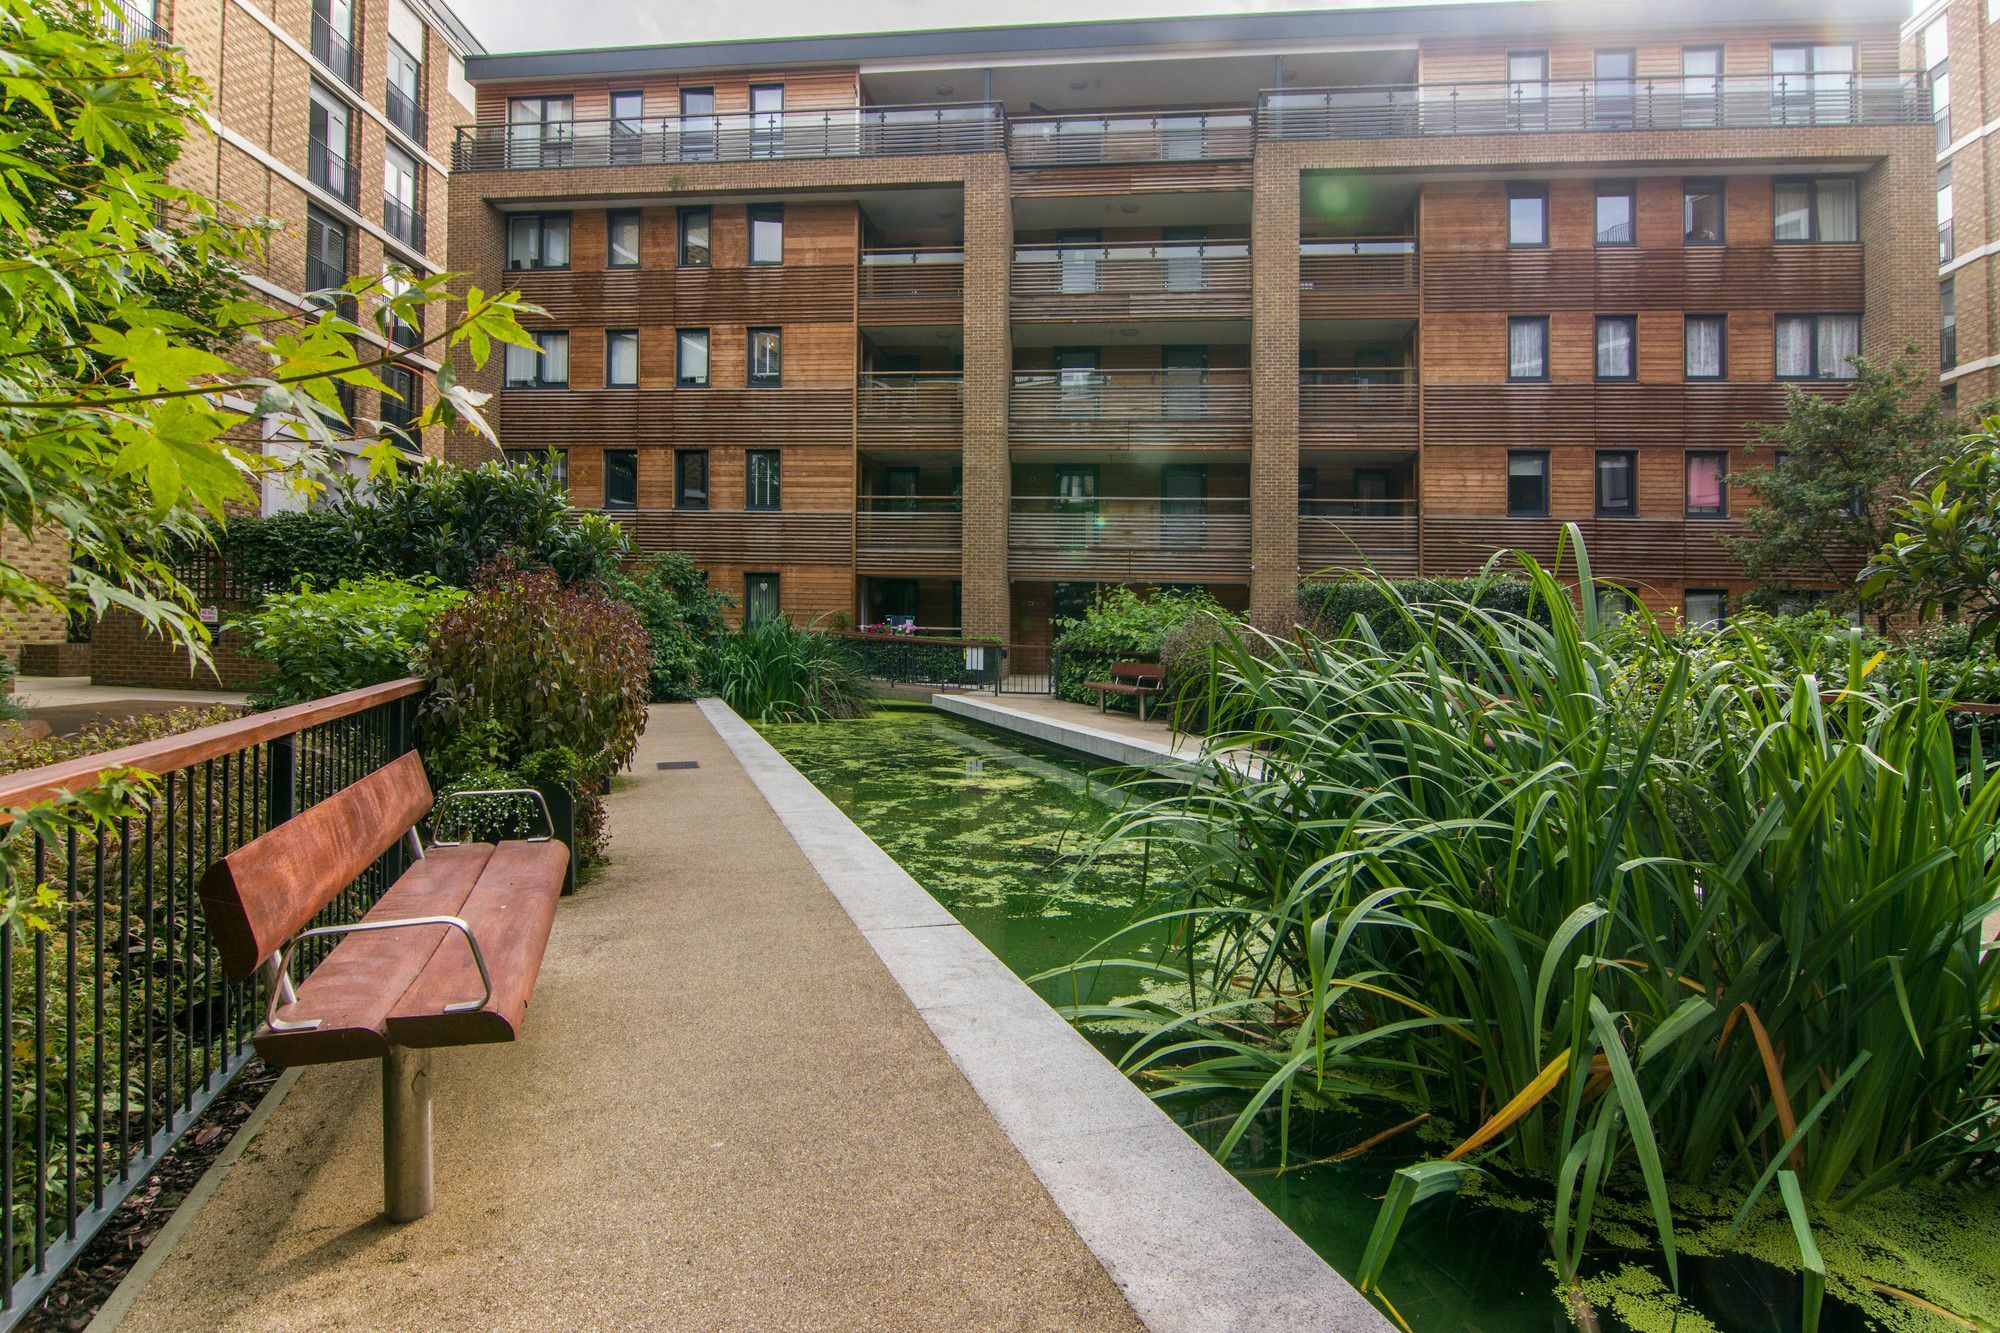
[1079,380]
[917,635]
[1406,508]
[172,753]
[1358,377]
[895,379]
[1363,246]
[1219,248]
[1141,117]
[914,254]
[1191,134]
[953,504]
[1079,505]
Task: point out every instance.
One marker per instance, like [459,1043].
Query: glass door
[1183,503]
[697,124]
[767,120]
[1080,256]
[1185,258]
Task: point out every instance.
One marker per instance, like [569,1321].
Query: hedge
[1329,606]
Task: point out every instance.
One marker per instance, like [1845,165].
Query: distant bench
[446,957]
[1140,680]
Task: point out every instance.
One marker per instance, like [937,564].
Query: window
[1936,50]
[621,238]
[1817,347]
[1948,325]
[1707,484]
[621,358]
[1704,607]
[760,598]
[1616,335]
[1527,215]
[327,144]
[1701,212]
[404,94]
[697,124]
[690,478]
[538,240]
[1704,347]
[621,478]
[399,196]
[1947,247]
[628,126]
[326,252]
[333,36]
[1527,483]
[1613,89]
[767,233]
[694,238]
[557,461]
[1815,209]
[1528,89]
[691,358]
[1617,480]
[1813,84]
[766,357]
[767,119]
[543,366]
[396,283]
[1615,603]
[1615,214]
[402,402]
[1701,85]
[760,479]
[539,131]
[1528,347]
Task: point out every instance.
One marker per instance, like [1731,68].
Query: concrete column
[1274,381]
[989,256]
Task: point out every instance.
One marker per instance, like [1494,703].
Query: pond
[994,826]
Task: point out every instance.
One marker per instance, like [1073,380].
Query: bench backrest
[1139,673]
[264,892]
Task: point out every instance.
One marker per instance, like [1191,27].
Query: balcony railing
[335,50]
[1151,136]
[331,171]
[405,223]
[867,131]
[908,534]
[911,408]
[1384,393]
[134,23]
[1734,101]
[1172,268]
[914,286]
[404,113]
[1375,274]
[1108,406]
[1140,537]
[1358,534]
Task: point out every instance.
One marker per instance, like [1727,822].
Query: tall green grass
[774,671]
[1621,920]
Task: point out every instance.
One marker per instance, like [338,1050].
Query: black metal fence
[121,1026]
[917,659]
[1029,668]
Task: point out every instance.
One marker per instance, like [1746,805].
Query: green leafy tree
[1942,552]
[136,382]
[671,596]
[1834,470]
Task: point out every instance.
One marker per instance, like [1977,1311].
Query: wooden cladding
[1386,544]
[1362,280]
[1715,277]
[912,287]
[777,294]
[742,537]
[1349,408]
[1636,551]
[1539,416]
[1139,544]
[912,411]
[558,418]
[1148,408]
[1193,280]
[908,544]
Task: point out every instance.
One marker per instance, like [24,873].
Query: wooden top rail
[172,753]
[917,637]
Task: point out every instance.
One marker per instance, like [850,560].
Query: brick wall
[123,652]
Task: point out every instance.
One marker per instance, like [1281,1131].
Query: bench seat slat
[355,985]
[511,910]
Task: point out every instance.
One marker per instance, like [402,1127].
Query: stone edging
[1086,740]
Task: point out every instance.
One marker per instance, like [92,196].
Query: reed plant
[1619,919]
[774,671]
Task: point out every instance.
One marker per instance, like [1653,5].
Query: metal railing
[1358,264]
[1381,393]
[914,274]
[920,658]
[121,1026]
[331,171]
[1351,507]
[1149,523]
[1353,533]
[1144,136]
[403,222]
[863,131]
[870,503]
[1130,395]
[135,23]
[1733,101]
[404,113]
[1140,268]
[335,50]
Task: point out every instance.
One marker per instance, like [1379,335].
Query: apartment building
[1957,46]
[949,328]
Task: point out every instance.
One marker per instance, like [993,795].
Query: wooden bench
[1141,680]
[447,957]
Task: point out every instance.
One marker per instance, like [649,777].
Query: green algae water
[995,827]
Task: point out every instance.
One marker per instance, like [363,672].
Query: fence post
[281,781]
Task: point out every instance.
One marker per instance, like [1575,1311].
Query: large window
[760,479]
[1705,608]
[328,132]
[767,119]
[402,403]
[333,36]
[1528,347]
[698,124]
[691,479]
[1701,212]
[326,252]
[1616,338]
[556,459]
[543,366]
[767,233]
[1813,84]
[621,238]
[766,358]
[1612,91]
[1527,483]
[1617,483]
[1528,89]
[694,238]
[399,196]
[1527,215]
[538,240]
[621,358]
[539,130]
[691,358]
[1616,215]
[628,125]
[1948,325]
[621,478]
[1936,53]
[1815,209]
[1947,244]
[1701,85]
[404,93]
[1705,347]
[1707,483]
[760,598]
[1817,347]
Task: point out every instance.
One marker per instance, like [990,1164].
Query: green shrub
[773,671]
[1122,625]
[1329,607]
[680,613]
[359,632]
[913,659]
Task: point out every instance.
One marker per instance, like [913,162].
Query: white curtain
[1794,348]
[1839,211]
[1614,348]
[521,364]
[624,358]
[1704,348]
[1791,205]
[1527,349]
[555,357]
[1839,339]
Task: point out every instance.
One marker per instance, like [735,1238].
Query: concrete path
[1118,737]
[77,691]
[724,1114]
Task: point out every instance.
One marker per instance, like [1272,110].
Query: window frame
[681,219]
[774,214]
[751,378]
[1547,487]
[1722,348]
[1602,190]
[1813,183]
[541,380]
[612,218]
[628,455]
[1508,350]
[1688,511]
[1631,460]
[1817,374]
[609,382]
[1540,194]
[775,500]
[1719,187]
[682,380]
[541,222]
[682,502]
[1631,323]
[777,594]
[1721,596]
[1947,323]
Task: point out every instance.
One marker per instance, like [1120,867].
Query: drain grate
[680,763]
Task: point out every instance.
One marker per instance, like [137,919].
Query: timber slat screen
[912,286]
[1118,537]
[1142,280]
[1362,276]
[1140,136]
[121,1027]
[1692,102]
[1151,407]
[855,131]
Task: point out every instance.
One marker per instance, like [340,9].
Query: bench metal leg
[406,1134]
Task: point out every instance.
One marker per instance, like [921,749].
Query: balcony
[331,171]
[1735,101]
[908,535]
[134,23]
[404,223]
[405,114]
[1136,538]
[1358,534]
[1153,408]
[1374,276]
[1150,136]
[1167,280]
[1358,406]
[1819,275]
[867,131]
[335,50]
[912,286]
[917,409]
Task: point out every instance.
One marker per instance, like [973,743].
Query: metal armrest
[548,822]
[281,982]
